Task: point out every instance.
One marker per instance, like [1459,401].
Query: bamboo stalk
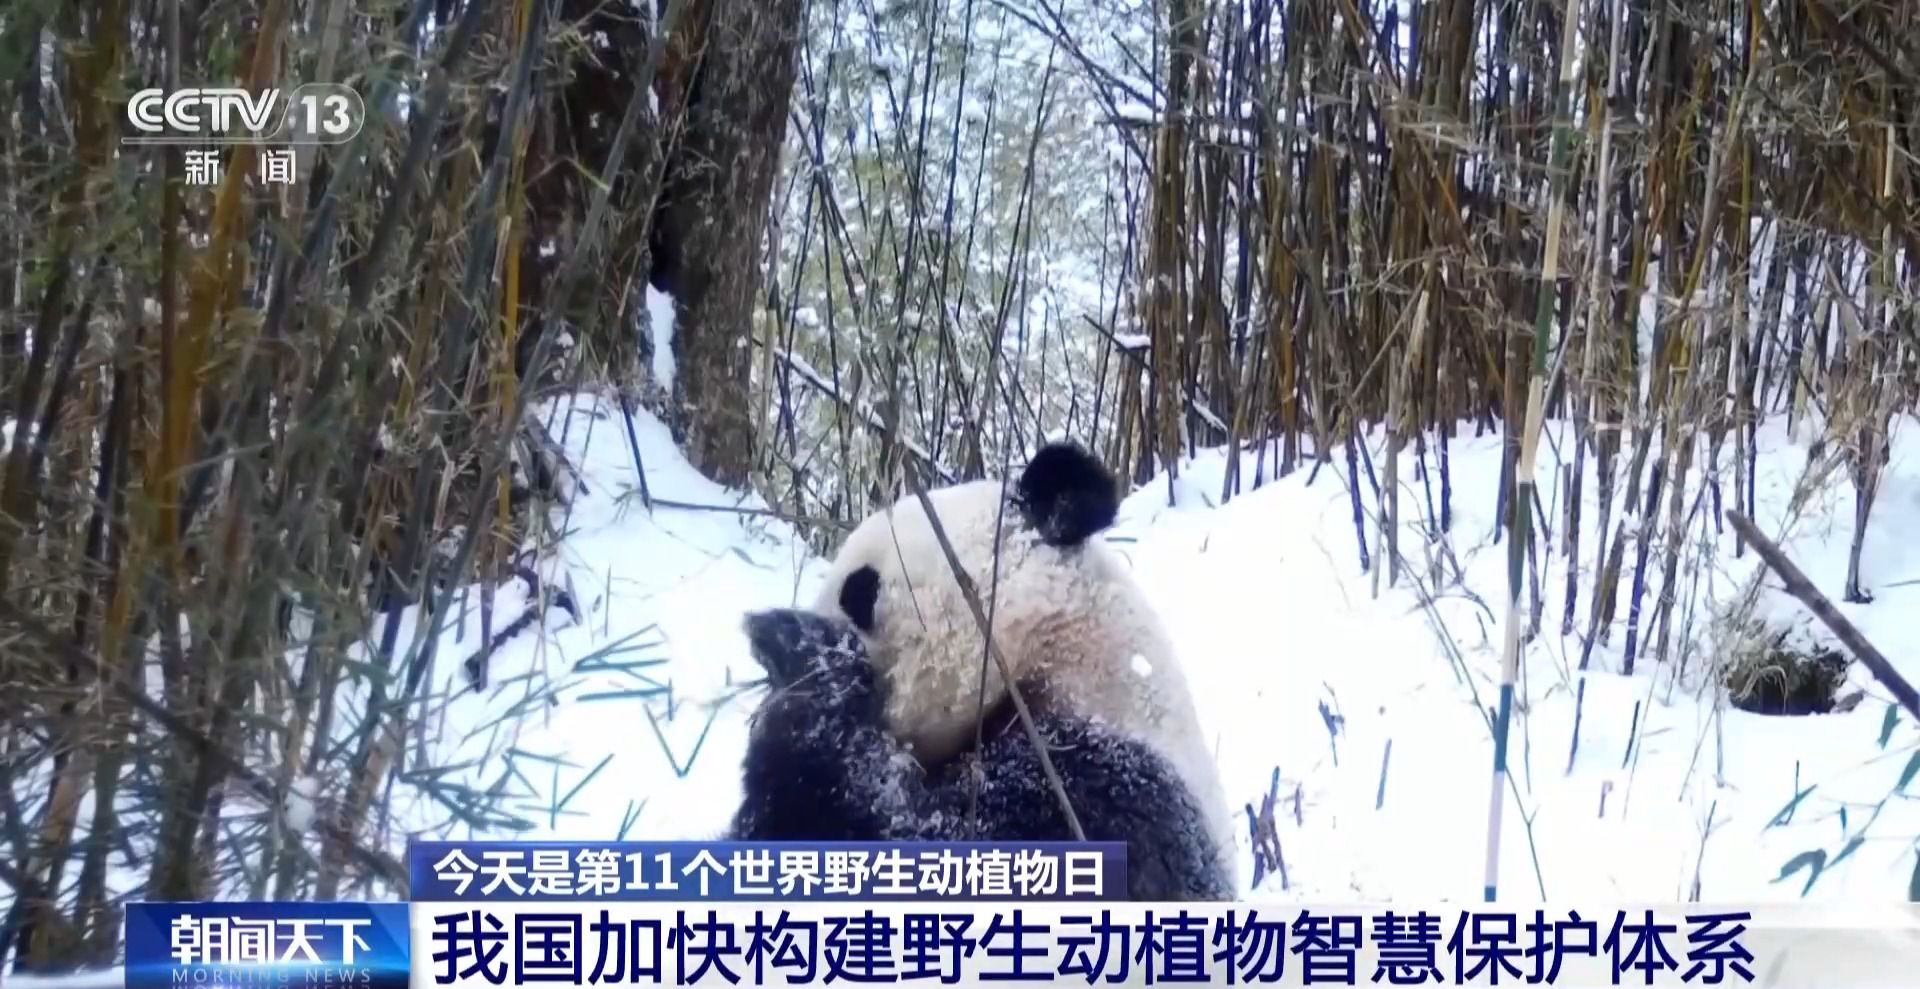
[1522,500]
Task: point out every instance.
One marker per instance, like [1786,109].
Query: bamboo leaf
[1786,813]
[1815,861]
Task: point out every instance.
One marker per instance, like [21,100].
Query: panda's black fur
[821,766]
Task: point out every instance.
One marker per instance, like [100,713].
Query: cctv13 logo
[313,113]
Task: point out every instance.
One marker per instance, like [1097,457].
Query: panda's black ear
[1067,494]
[860,596]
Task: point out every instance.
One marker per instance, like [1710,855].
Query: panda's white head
[1066,614]
[1059,601]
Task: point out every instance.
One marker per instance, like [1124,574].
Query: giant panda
[873,727]
[821,765]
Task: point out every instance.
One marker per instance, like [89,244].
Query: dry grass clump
[1778,669]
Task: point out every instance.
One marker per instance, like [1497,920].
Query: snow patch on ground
[631,720]
[660,323]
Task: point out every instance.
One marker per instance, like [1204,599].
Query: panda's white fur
[1070,615]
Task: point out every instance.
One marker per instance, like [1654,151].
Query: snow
[1363,712]
[302,797]
[624,720]
[1288,551]
[660,316]
[1297,665]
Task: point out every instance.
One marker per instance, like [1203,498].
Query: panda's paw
[1067,494]
[792,645]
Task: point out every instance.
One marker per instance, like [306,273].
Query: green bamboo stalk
[1522,499]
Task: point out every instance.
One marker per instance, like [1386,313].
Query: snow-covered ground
[1364,710]
[631,722]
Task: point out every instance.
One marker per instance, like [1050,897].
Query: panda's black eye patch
[859,596]
[1067,494]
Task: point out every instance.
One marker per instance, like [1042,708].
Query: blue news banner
[486,914]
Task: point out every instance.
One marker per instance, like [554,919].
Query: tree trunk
[728,78]
[575,131]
